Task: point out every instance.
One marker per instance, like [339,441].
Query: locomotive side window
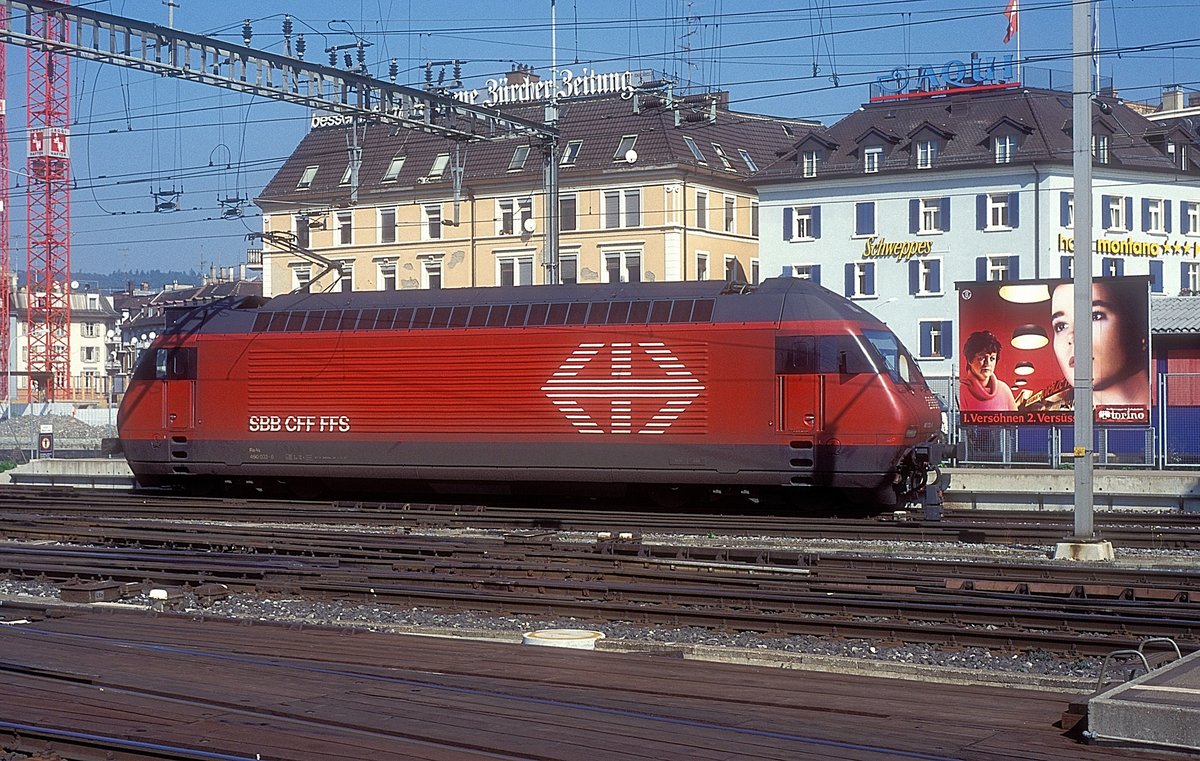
[577,313]
[479,316]
[421,318]
[314,321]
[499,315]
[681,311]
[331,319]
[537,314]
[167,364]
[798,355]
[349,320]
[661,312]
[558,314]
[703,311]
[639,312]
[261,321]
[394,318]
[598,315]
[366,319]
[296,321]
[618,313]
[516,317]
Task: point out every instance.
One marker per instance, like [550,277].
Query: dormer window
[1005,148]
[1100,148]
[571,153]
[439,166]
[695,149]
[393,170]
[627,143]
[519,156]
[926,153]
[872,159]
[808,164]
[307,177]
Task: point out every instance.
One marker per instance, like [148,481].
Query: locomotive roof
[777,299]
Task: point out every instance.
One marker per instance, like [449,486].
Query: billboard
[1016,352]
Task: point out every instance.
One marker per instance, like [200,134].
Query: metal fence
[1172,441]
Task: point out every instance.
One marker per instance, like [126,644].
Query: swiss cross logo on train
[622,388]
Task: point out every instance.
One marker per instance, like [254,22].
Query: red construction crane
[5,178]
[48,269]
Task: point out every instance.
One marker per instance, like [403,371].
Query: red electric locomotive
[615,389]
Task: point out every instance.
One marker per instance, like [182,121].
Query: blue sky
[140,140]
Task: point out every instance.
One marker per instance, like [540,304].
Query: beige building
[92,317]
[650,189]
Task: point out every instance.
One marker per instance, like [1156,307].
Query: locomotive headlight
[910,432]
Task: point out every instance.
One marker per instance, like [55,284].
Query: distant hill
[111,282]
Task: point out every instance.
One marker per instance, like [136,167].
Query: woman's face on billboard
[1114,359]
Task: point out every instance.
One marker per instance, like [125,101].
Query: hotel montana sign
[1150,248]
[926,79]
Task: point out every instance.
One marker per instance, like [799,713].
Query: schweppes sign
[901,250]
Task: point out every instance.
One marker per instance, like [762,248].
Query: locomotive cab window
[900,365]
[167,364]
[800,355]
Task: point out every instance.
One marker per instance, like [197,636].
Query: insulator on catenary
[247,33]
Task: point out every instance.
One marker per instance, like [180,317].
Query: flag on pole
[1011,13]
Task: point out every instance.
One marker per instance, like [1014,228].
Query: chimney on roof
[1172,99]
[521,72]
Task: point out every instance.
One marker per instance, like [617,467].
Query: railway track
[870,593]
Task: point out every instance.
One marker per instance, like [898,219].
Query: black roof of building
[599,124]
[963,126]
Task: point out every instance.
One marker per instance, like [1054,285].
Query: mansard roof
[598,124]
[967,123]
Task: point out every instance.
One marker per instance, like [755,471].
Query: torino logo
[636,373]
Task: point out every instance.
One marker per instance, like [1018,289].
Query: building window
[90,329]
[393,169]
[733,270]
[730,214]
[997,267]
[1066,206]
[622,205]
[387,224]
[1191,218]
[754,271]
[860,279]
[301,275]
[864,218]
[997,212]
[809,164]
[936,339]
[346,176]
[439,167]
[701,265]
[872,159]
[695,149]
[924,277]
[345,228]
[805,222]
[1006,147]
[512,215]
[931,215]
[749,161]
[1111,266]
[1114,210]
[754,219]
[724,157]
[514,270]
[345,282]
[807,272]
[1100,148]
[568,269]
[571,153]
[926,153]
[1155,216]
[431,222]
[431,274]
[623,267]
[702,210]
[626,145]
[1190,277]
[306,177]
[1179,154]
[386,277]
[300,227]
[517,162]
[568,213]
[90,353]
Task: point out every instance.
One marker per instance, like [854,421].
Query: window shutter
[1183,275]
[1064,209]
[945,211]
[981,268]
[1128,212]
[1106,212]
[914,215]
[1014,268]
[926,339]
[1183,214]
[815,273]
[1167,215]
[935,274]
[864,218]
[1145,215]
[1064,268]
[914,275]
[788,227]
[1156,276]
[1014,210]
[870,278]
[1119,267]
[948,339]
[980,211]
[816,221]
[849,280]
